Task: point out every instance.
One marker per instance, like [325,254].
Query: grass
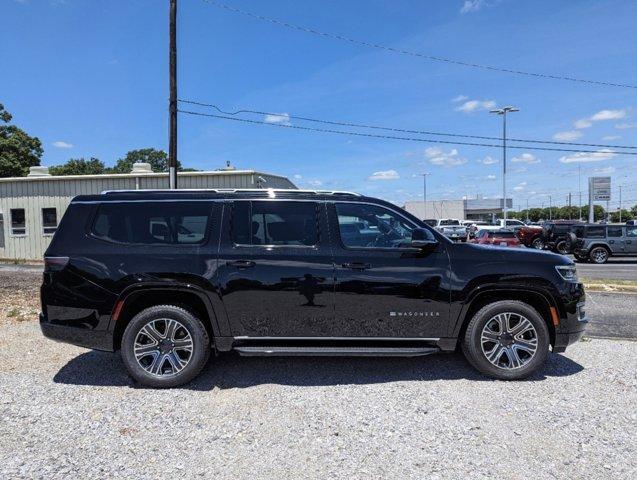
[610,285]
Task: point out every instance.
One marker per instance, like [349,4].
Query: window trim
[317,204]
[26,230]
[204,240]
[376,249]
[57,224]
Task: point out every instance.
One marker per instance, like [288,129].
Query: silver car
[596,243]
[452,228]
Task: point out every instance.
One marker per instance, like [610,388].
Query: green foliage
[18,150]
[559,213]
[626,215]
[158,160]
[79,166]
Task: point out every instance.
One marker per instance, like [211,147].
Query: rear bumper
[82,337]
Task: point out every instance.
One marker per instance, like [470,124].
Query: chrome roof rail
[234,190]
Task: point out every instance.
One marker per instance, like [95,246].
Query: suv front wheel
[165,346]
[507,340]
[598,255]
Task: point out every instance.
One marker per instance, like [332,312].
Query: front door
[384,287]
[630,240]
[615,238]
[275,269]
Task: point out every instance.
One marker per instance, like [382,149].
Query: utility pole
[579,188]
[527,210]
[620,204]
[172,106]
[569,206]
[503,112]
[424,191]
[550,208]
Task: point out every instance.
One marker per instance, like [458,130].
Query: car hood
[487,253]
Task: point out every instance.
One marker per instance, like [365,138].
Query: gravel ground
[67,411]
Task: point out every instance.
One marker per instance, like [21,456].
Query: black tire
[580,258]
[537,243]
[562,247]
[472,343]
[599,255]
[189,325]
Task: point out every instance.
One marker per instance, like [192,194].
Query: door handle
[611,241]
[356,265]
[629,241]
[241,263]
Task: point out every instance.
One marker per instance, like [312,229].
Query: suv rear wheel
[598,255]
[562,247]
[507,340]
[165,346]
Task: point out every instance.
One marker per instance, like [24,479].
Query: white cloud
[281,118]
[472,106]
[583,123]
[384,175]
[314,183]
[604,170]
[459,98]
[297,176]
[519,187]
[61,144]
[488,160]
[474,5]
[611,137]
[527,158]
[567,136]
[490,177]
[608,115]
[445,159]
[584,157]
[625,126]
[601,116]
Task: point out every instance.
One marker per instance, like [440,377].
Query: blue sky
[90,79]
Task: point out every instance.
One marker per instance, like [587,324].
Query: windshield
[444,223]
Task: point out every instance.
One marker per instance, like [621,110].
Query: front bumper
[82,337]
[571,330]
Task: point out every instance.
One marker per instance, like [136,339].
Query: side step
[281,351]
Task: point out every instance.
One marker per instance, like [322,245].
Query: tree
[18,150]
[79,166]
[158,160]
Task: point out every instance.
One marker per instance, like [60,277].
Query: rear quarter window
[151,223]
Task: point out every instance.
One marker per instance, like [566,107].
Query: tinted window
[501,235]
[275,223]
[18,222]
[596,232]
[615,232]
[371,226]
[514,222]
[631,231]
[152,223]
[49,221]
[449,222]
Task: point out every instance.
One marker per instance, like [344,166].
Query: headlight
[567,272]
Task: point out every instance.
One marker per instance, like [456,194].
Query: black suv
[558,235]
[169,276]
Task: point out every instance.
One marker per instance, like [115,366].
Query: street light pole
[172,103]
[503,112]
[424,191]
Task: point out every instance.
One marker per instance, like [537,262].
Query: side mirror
[422,238]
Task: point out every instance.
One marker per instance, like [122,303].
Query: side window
[153,223]
[631,231]
[275,223]
[371,226]
[596,232]
[614,232]
[18,222]
[49,221]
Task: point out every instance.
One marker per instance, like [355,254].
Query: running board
[280,351]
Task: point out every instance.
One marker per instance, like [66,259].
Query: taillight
[55,264]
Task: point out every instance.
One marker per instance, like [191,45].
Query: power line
[389,137]
[377,46]
[402,130]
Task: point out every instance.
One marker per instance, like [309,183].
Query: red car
[501,238]
[531,236]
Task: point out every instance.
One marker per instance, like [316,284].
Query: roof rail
[233,190]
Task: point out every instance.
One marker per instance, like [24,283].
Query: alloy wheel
[509,340]
[599,255]
[163,347]
[537,244]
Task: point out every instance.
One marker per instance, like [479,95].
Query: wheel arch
[541,301]
[135,299]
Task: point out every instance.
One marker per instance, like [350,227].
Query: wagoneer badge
[414,314]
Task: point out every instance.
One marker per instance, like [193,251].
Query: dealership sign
[599,188]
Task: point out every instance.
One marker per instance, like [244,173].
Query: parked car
[531,236]
[452,228]
[500,238]
[167,277]
[473,226]
[432,222]
[510,224]
[557,235]
[597,243]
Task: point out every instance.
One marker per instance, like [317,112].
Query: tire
[562,247]
[537,243]
[165,359]
[580,258]
[476,352]
[599,255]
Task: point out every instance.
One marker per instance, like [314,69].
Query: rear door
[384,288]
[275,269]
